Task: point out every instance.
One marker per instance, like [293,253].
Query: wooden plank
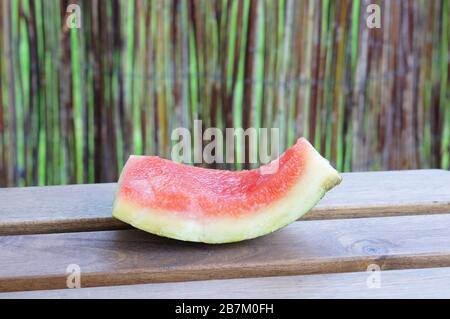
[34,210]
[410,283]
[392,193]
[36,262]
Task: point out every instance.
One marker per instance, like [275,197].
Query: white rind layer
[318,178]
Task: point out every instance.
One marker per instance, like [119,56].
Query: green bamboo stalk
[231,44]
[258,70]
[139,28]
[187,116]
[160,91]
[296,50]
[198,34]
[282,61]
[307,66]
[323,67]
[136,50]
[117,88]
[27,89]
[239,84]
[168,74]
[340,90]
[129,78]
[16,97]
[77,104]
[152,107]
[193,80]
[354,55]
[210,61]
[270,63]
[90,100]
[48,129]
[41,174]
[221,81]
[329,82]
[52,22]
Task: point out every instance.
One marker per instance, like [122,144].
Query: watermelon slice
[216,206]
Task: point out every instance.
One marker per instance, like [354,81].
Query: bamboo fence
[74,103]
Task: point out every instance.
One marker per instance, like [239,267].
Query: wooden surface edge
[346,212]
[409,283]
[62,226]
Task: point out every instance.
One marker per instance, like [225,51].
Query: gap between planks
[410,283]
[306,247]
[73,208]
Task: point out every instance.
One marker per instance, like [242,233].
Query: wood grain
[35,210]
[36,262]
[410,283]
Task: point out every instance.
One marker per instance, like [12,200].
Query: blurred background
[75,102]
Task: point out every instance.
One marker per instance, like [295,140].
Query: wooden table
[398,221]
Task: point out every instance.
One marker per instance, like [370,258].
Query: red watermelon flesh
[216,206]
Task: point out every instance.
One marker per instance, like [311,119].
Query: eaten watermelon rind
[318,178]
